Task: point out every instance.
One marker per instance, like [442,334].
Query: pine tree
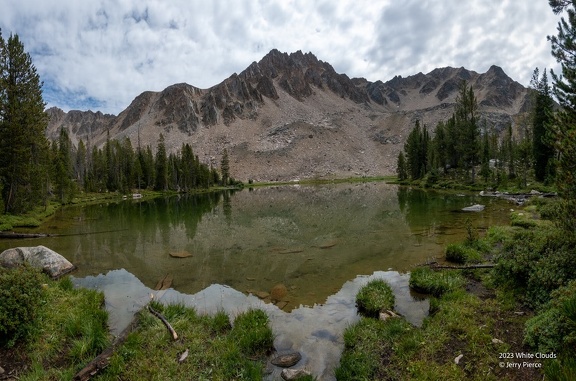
[188,168]
[440,146]
[401,169]
[161,166]
[564,89]
[23,146]
[485,156]
[225,167]
[80,163]
[63,169]
[542,146]
[467,127]
[416,152]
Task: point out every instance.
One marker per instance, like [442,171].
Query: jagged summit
[292,115]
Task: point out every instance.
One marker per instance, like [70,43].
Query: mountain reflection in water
[309,239]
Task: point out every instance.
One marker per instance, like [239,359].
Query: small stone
[497,341]
[294,374]
[458,358]
[383,316]
[2,370]
[287,360]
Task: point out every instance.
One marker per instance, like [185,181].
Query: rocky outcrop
[79,124]
[41,257]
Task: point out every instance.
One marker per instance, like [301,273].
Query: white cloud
[100,54]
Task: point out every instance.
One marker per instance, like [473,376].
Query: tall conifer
[23,146]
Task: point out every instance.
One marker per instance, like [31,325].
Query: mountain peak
[292,115]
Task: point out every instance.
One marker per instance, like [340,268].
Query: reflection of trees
[132,223]
[227,207]
[423,209]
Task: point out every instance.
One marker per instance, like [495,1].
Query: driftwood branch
[484,266]
[163,319]
[103,359]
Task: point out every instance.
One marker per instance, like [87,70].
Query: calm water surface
[310,238]
[321,242]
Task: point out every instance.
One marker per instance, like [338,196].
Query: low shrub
[498,235]
[428,281]
[21,295]
[522,220]
[554,328]
[536,262]
[374,297]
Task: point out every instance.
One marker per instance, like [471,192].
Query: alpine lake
[300,252]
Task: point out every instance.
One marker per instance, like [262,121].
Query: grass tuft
[428,281]
[374,297]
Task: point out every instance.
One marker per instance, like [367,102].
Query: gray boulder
[474,208]
[40,257]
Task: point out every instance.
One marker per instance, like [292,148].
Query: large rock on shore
[41,257]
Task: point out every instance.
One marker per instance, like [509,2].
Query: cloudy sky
[100,54]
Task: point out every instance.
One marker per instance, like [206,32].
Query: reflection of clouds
[316,332]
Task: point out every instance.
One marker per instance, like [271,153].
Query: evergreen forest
[34,171]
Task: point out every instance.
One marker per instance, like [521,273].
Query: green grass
[462,253]
[374,297]
[373,349]
[217,350]
[428,281]
[71,331]
[31,219]
[462,324]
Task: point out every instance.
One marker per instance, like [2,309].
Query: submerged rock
[294,374]
[287,360]
[278,292]
[41,257]
[474,208]
[180,254]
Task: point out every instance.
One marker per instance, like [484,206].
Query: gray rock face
[40,257]
[337,124]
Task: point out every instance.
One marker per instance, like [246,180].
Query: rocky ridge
[292,116]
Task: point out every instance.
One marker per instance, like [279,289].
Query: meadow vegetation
[51,330]
[525,304]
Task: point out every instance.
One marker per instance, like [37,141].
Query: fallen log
[163,320]
[469,267]
[164,283]
[13,235]
[103,359]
